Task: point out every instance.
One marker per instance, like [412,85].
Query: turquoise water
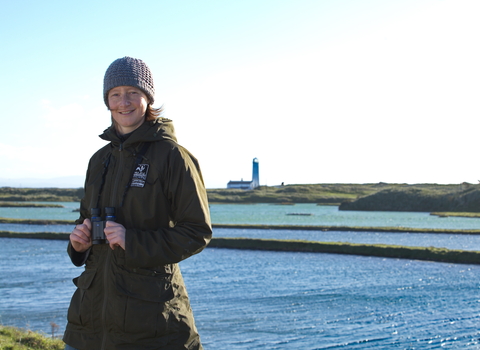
[65,213]
[279,215]
[330,216]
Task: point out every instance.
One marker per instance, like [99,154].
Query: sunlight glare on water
[280,300]
[276,300]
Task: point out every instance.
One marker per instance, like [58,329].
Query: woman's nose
[125,101]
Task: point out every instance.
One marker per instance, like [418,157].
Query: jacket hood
[152,131]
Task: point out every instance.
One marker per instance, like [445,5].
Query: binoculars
[98,225]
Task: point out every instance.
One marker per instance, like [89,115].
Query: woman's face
[128,105]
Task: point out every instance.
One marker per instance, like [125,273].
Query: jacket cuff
[78,259]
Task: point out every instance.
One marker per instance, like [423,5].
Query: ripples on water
[276,300]
[268,300]
[281,300]
[35,282]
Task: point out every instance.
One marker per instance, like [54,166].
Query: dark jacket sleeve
[190,217]
[78,259]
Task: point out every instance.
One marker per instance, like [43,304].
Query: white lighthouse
[248,185]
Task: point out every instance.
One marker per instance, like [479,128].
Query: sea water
[269,214]
[279,215]
[276,300]
[312,214]
[282,300]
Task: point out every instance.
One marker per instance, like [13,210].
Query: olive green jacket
[136,298]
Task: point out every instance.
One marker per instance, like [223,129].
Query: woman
[131,294]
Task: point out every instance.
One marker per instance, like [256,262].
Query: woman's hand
[81,236]
[115,234]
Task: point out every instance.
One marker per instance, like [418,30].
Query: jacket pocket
[80,310]
[143,303]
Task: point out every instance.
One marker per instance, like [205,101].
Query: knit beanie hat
[129,71]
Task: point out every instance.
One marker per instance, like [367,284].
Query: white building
[248,185]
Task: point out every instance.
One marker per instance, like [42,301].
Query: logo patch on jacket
[140,175]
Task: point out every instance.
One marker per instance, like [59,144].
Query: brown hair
[153,113]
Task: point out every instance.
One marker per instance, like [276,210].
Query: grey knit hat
[129,71]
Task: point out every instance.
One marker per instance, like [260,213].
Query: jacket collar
[156,130]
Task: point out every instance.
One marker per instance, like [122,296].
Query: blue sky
[319,91]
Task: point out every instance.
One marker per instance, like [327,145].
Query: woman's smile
[128,105]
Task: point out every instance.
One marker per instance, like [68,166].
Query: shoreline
[388,229]
[350,228]
[421,197]
[378,250]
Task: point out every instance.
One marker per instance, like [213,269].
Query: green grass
[327,194]
[55,235]
[379,196]
[420,198]
[332,194]
[379,250]
[28,205]
[13,194]
[465,215]
[349,228]
[35,235]
[36,221]
[12,338]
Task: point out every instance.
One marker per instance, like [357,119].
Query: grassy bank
[259,227]
[36,235]
[460,215]
[13,194]
[325,194]
[36,221]
[379,250]
[375,197]
[349,228]
[12,338]
[420,198]
[28,205]
[333,194]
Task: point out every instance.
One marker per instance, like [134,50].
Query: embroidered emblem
[140,175]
